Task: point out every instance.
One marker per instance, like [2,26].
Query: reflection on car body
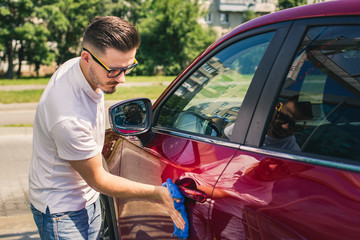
[209,133]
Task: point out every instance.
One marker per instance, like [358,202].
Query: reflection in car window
[211,97]
[325,79]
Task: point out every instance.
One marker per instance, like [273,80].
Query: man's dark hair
[111,32]
[305,108]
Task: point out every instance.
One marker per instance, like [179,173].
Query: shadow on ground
[20,236]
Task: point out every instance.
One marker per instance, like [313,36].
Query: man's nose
[120,78]
[285,126]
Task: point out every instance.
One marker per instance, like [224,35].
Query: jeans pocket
[71,225]
[35,211]
[38,219]
[73,215]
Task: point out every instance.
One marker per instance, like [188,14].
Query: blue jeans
[82,224]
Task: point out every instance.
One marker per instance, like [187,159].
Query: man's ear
[85,56]
[279,106]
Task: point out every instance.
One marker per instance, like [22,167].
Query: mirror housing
[131,117]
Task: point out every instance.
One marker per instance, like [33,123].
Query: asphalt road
[15,215]
[15,153]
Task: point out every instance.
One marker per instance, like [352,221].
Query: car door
[187,138]
[196,112]
[315,182]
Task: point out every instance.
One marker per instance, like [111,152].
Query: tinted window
[319,105]
[211,97]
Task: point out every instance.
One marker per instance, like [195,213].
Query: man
[66,172]
[246,180]
[283,125]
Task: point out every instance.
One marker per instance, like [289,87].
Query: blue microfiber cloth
[180,206]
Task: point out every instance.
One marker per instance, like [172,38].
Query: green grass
[43,80]
[28,96]
[17,125]
[149,78]
[123,93]
[24,96]
[24,81]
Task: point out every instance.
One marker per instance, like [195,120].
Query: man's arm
[95,175]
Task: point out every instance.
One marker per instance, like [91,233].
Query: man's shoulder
[62,88]
[59,105]
[287,143]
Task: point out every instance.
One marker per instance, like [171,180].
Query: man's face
[111,58]
[283,122]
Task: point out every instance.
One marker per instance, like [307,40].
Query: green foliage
[67,20]
[248,15]
[43,31]
[34,45]
[171,36]
[133,11]
[13,15]
[283,4]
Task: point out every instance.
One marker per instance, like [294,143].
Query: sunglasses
[114,72]
[286,119]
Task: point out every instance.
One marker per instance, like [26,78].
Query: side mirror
[131,117]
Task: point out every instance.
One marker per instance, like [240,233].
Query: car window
[211,97]
[318,110]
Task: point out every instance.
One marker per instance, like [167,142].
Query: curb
[17,106]
[18,227]
[6,131]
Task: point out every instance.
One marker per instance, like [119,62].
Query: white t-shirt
[288,143]
[69,125]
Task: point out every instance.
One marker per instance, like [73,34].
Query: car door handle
[193,194]
[188,189]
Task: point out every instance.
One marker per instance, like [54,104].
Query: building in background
[224,15]
[317,1]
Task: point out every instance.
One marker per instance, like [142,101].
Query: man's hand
[169,205]
[94,174]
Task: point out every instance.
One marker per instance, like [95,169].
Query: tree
[131,10]
[39,31]
[171,36]
[283,4]
[13,15]
[250,14]
[29,27]
[34,46]
[66,20]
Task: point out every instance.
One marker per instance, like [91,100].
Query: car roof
[331,8]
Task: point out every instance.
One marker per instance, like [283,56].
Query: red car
[261,132]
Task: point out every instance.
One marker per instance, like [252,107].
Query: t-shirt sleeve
[74,140]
